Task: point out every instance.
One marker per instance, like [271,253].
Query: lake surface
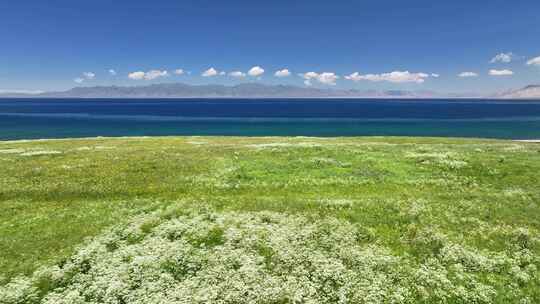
[63,118]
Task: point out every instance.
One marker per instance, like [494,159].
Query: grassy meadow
[269,220]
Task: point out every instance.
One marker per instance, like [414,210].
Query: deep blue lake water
[61,118]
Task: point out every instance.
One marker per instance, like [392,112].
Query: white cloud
[395,77]
[256,71]
[209,73]
[136,75]
[112,72]
[355,77]
[89,75]
[222,73]
[328,78]
[534,61]
[435,75]
[309,75]
[500,72]
[467,74]
[153,74]
[237,74]
[85,76]
[150,75]
[179,71]
[503,57]
[282,73]
[324,78]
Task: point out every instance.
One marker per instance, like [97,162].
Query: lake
[67,118]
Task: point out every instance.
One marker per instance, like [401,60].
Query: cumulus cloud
[179,71]
[503,57]
[534,61]
[354,77]
[467,74]
[150,75]
[327,78]
[153,74]
[395,77]
[435,75]
[222,73]
[210,72]
[136,75]
[256,71]
[112,72]
[89,75]
[309,75]
[85,76]
[500,72]
[237,74]
[282,73]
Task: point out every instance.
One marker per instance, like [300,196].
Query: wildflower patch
[184,256]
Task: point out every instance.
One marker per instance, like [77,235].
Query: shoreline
[22,140]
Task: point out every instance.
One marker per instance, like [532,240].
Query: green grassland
[440,220]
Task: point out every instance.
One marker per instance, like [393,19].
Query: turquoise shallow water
[63,118]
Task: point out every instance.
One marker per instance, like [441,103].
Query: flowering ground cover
[269,220]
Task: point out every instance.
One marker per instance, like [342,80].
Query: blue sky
[47,45]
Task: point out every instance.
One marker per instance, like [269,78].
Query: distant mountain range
[254,90]
[531,91]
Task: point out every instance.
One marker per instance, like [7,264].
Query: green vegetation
[269,220]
